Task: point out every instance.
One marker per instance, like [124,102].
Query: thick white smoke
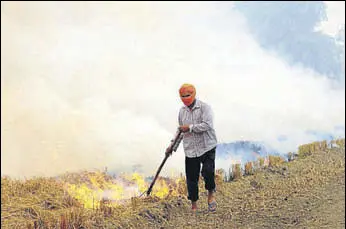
[335,17]
[95,84]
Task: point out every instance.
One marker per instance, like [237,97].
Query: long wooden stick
[172,146]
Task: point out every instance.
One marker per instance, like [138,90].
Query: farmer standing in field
[199,141]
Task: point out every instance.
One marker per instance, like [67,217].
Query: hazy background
[92,84]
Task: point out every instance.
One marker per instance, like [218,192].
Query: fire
[98,186]
[161,190]
[84,194]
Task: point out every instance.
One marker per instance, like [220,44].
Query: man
[199,142]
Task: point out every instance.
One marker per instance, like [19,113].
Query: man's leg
[208,173]
[192,170]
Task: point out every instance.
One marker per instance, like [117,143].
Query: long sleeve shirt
[201,137]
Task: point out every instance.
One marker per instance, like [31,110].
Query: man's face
[187,94]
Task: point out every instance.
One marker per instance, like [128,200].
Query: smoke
[91,85]
[335,17]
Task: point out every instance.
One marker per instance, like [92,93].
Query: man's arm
[207,121]
[179,119]
[169,148]
[173,147]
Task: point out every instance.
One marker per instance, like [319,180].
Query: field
[307,192]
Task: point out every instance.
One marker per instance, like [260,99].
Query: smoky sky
[87,85]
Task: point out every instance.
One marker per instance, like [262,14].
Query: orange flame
[99,187]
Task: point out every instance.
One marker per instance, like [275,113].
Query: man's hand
[184,128]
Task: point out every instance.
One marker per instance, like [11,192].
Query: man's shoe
[212,206]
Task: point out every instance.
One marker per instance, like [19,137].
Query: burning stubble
[88,85]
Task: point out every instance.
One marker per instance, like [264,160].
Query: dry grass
[275,161]
[261,162]
[270,198]
[219,176]
[249,169]
[236,172]
[308,149]
[45,203]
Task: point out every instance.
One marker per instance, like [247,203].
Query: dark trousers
[192,170]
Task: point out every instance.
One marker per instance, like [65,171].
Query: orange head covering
[187,94]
